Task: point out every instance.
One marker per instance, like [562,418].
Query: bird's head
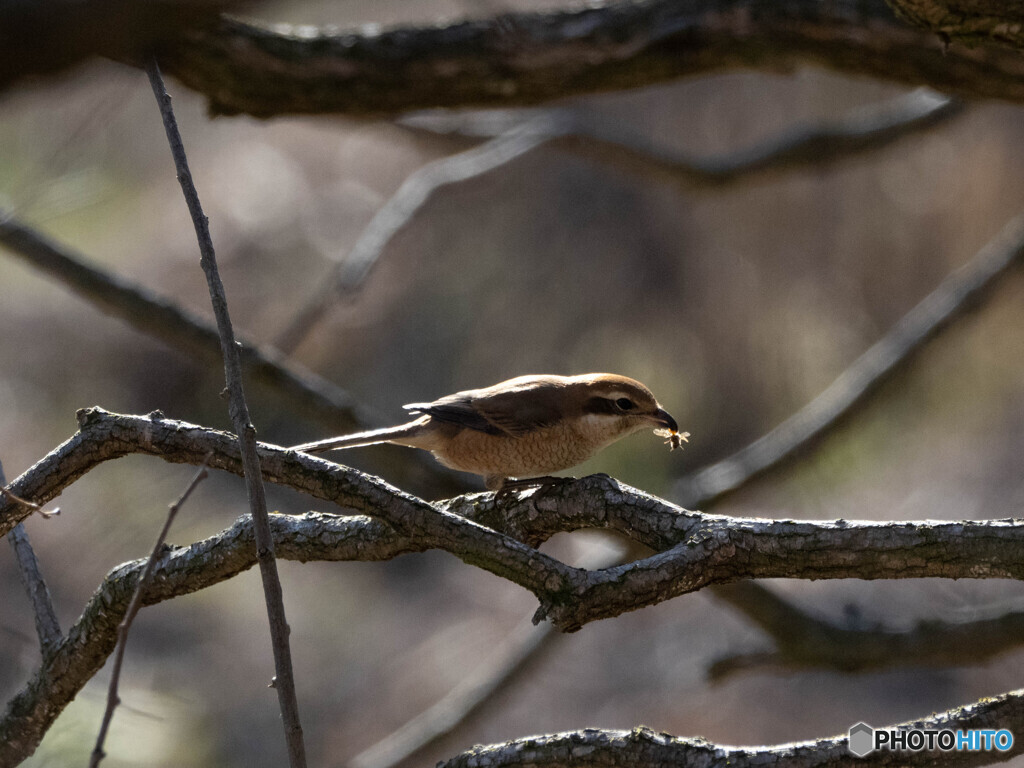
[618,405]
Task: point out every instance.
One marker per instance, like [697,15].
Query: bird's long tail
[403,434]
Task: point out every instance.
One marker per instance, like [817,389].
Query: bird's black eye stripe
[607,405]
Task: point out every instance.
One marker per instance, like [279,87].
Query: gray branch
[647,748]
[693,549]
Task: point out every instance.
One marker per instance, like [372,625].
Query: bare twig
[591,135]
[47,625]
[133,608]
[284,681]
[959,292]
[44,513]
[350,272]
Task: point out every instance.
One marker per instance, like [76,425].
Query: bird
[515,433]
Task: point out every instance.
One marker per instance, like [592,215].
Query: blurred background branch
[592,136]
[961,291]
[803,641]
[349,273]
[304,392]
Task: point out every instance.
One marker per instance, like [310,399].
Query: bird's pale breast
[538,452]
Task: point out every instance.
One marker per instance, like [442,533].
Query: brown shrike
[522,429]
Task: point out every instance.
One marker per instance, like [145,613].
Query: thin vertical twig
[133,608]
[284,681]
[47,626]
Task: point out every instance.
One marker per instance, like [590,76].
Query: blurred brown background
[736,305]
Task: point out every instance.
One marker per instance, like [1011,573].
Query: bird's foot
[511,486]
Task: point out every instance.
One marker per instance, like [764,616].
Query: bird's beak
[663,418]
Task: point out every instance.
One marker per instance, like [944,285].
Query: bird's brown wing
[454,412]
[495,413]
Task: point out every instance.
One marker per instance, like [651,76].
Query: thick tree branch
[693,549]
[528,58]
[523,58]
[697,549]
[644,747]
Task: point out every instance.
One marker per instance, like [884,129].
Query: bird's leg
[544,484]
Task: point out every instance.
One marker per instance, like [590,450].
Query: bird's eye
[625,404]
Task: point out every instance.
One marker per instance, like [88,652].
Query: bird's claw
[544,485]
